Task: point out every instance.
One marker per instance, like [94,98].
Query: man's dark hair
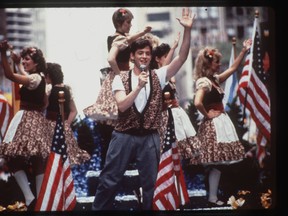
[140,44]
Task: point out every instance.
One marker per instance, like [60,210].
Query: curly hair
[159,51]
[55,73]
[204,61]
[36,55]
[140,43]
[120,15]
[155,40]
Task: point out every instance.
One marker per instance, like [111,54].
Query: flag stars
[58,144]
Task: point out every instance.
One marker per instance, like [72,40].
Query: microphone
[142,68]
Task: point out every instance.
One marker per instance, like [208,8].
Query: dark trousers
[123,148]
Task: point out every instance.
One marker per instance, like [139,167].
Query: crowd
[130,111]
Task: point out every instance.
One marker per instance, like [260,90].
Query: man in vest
[138,94]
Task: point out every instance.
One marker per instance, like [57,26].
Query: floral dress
[75,154]
[185,133]
[27,134]
[218,140]
[105,109]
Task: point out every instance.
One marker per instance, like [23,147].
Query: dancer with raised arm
[138,93]
[219,143]
[26,140]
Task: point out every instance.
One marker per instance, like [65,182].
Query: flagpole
[1,136]
[61,101]
[234,46]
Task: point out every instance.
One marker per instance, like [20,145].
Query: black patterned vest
[33,99]
[213,99]
[150,117]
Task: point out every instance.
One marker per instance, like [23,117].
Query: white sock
[39,180]
[214,177]
[22,180]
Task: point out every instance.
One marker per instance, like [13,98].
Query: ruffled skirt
[184,132]
[75,154]
[31,134]
[187,140]
[27,136]
[105,109]
[218,142]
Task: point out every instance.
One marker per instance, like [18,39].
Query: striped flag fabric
[57,192]
[6,114]
[254,95]
[170,188]
[15,97]
[230,90]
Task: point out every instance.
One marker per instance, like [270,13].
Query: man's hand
[187,18]
[143,79]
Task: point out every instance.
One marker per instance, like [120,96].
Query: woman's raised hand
[4,46]
[247,44]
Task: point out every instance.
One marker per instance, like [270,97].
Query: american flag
[253,93]
[6,114]
[170,189]
[57,191]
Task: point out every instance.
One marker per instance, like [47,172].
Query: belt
[30,107]
[139,131]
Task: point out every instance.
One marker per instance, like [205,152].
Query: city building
[213,26]
[21,27]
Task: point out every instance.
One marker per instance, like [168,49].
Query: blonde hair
[204,61]
[154,40]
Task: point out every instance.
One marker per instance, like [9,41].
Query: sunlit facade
[213,25]
[21,27]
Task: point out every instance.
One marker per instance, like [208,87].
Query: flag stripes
[57,191]
[253,93]
[170,188]
[256,101]
[6,114]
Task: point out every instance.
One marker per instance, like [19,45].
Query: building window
[240,32]
[239,11]
[229,12]
[158,16]
[230,32]
[213,12]
[203,13]
[203,31]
